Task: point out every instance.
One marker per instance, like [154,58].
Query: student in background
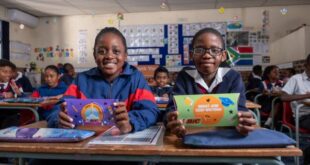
[53,88]
[287,74]
[8,89]
[254,82]
[271,88]
[22,80]
[297,90]
[60,67]
[69,74]
[114,78]
[207,77]
[162,88]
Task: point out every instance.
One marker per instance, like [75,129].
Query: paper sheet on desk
[149,136]
[208,110]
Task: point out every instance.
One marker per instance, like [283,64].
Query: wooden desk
[251,105]
[171,150]
[27,106]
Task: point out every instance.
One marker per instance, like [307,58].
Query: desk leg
[32,109]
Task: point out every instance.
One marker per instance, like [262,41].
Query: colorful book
[208,110]
[91,112]
[17,134]
[150,136]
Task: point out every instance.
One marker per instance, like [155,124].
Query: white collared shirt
[298,84]
[217,80]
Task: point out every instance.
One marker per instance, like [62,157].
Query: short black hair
[257,69]
[54,68]
[4,63]
[67,66]
[161,69]
[208,30]
[110,30]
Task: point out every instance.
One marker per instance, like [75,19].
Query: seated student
[114,78]
[22,80]
[53,88]
[69,74]
[287,74]
[8,89]
[297,89]
[207,77]
[271,88]
[162,88]
[254,82]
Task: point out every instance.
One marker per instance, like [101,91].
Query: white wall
[289,48]
[63,31]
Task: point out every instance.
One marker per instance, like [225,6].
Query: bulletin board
[166,45]
[169,44]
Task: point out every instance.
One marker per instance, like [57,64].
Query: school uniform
[8,117]
[266,100]
[226,80]
[24,82]
[67,79]
[160,91]
[47,91]
[299,84]
[129,87]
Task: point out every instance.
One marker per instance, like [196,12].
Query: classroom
[155,81]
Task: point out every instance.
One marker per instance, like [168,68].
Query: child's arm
[143,111]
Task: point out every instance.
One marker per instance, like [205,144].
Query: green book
[208,110]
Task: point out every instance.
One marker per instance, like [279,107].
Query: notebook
[91,112]
[17,134]
[150,136]
[208,110]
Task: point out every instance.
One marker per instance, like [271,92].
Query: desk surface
[46,102]
[171,147]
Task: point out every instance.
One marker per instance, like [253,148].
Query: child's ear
[224,56]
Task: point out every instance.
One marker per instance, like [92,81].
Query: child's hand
[246,122]
[8,95]
[122,118]
[65,121]
[15,88]
[174,125]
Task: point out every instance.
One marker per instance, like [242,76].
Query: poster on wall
[234,26]
[20,51]
[82,46]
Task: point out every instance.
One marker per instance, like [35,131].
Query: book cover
[18,134]
[208,110]
[91,112]
[150,136]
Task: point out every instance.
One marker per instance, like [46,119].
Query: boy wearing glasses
[208,77]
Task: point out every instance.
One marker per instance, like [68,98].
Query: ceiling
[43,8]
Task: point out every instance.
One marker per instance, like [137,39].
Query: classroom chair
[289,123]
[261,114]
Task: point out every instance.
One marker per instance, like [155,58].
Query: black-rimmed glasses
[199,51]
